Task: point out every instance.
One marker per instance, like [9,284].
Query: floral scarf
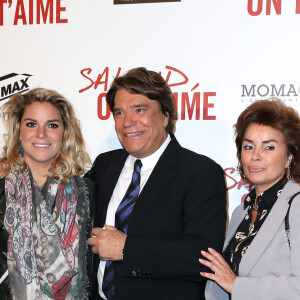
[46,249]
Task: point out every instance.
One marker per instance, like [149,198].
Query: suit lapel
[162,174]
[268,229]
[110,178]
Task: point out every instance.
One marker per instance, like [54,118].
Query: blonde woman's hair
[72,159]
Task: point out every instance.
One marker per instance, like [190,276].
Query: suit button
[133,273]
[2,228]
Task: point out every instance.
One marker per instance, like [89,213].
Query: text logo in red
[233,183]
[257,7]
[191,104]
[33,11]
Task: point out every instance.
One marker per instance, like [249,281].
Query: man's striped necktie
[121,222]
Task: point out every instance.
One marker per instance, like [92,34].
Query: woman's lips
[255,169]
[41,146]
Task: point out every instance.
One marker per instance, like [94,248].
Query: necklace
[255,204]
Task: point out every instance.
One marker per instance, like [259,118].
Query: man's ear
[166,119]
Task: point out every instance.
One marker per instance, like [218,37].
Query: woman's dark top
[243,237]
[4,286]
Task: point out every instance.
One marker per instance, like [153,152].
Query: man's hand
[108,243]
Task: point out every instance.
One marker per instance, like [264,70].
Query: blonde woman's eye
[30,124]
[53,125]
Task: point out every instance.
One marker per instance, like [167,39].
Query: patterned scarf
[46,249]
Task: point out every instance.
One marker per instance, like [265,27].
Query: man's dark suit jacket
[180,211]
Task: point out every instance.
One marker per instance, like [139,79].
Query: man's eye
[117,113]
[139,109]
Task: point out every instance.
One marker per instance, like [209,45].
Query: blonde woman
[44,203]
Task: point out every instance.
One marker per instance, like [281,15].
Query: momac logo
[286,92]
[13,83]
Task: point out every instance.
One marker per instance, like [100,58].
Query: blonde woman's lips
[41,146]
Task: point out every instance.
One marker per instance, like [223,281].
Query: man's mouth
[133,134]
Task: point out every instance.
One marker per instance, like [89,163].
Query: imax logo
[272,90]
[13,83]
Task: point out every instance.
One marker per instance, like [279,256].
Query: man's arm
[91,173]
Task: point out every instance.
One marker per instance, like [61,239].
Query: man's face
[139,123]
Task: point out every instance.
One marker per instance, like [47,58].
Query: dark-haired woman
[261,256]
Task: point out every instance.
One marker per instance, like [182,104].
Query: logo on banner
[285,92]
[235,183]
[33,12]
[13,83]
[191,104]
[256,7]
[142,1]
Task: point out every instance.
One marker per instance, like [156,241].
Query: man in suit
[149,241]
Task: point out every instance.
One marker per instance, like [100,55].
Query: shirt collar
[150,161]
[266,198]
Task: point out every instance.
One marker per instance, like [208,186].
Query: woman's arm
[269,286]
[223,275]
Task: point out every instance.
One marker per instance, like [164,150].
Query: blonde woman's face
[41,133]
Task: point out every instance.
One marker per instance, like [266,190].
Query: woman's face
[264,156]
[41,132]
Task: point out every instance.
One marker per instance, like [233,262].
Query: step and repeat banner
[218,57]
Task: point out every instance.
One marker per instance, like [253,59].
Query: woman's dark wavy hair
[147,83]
[274,113]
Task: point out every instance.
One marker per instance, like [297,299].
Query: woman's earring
[288,173]
[21,150]
[243,175]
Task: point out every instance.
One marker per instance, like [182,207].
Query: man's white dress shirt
[121,187]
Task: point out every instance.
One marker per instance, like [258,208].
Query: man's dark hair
[147,83]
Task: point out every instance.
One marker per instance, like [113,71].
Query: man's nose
[129,120]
